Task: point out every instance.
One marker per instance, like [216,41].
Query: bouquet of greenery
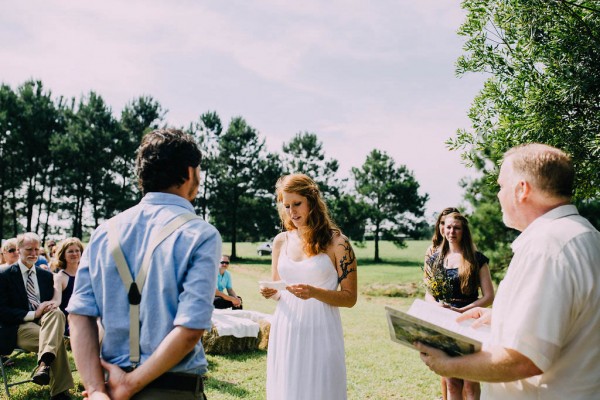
[438,283]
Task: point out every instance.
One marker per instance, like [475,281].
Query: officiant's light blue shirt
[180,284]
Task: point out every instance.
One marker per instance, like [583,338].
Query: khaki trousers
[46,336]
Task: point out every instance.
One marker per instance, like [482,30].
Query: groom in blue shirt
[176,300]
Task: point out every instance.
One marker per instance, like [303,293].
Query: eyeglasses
[224,262]
[12,250]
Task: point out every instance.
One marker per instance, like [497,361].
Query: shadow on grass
[396,263]
[21,370]
[241,357]
[213,359]
[252,260]
[361,261]
[231,389]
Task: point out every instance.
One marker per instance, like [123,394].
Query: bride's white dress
[305,360]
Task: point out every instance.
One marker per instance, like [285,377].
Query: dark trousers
[161,394]
[172,386]
[220,303]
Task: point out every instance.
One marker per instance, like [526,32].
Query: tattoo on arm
[347,260]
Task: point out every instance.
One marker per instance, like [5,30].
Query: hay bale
[263,334]
[215,344]
[411,289]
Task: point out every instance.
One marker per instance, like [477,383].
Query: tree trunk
[78,211]
[48,209]
[94,200]
[205,194]
[377,259]
[79,231]
[48,204]
[30,203]
[95,206]
[75,210]
[80,224]
[234,228]
[13,203]
[2,197]
[124,175]
[42,201]
[2,213]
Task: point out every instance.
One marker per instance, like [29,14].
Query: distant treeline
[68,164]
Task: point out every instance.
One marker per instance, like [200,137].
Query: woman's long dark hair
[469,279]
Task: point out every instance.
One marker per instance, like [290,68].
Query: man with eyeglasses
[9,257]
[30,319]
[50,249]
[229,300]
[9,252]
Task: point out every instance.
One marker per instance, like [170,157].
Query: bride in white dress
[306,359]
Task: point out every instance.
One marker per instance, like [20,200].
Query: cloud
[412,139]
[362,75]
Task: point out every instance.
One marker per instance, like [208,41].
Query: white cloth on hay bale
[237,331]
[238,323]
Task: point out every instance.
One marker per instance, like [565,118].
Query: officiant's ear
[522,190]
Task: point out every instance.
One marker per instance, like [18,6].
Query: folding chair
[3,365]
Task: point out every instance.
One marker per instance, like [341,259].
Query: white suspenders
[136,286]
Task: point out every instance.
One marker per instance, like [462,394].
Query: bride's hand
[302,291]
[268,293]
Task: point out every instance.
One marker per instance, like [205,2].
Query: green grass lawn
[377,367]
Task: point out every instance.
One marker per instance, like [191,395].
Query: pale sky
[359,74]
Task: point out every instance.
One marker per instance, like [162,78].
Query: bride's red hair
[321,227]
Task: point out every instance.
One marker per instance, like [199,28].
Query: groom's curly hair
[163,159]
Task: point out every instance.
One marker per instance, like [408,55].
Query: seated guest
[229,300]
[44,253]
[50,250]
[66,262]
[10,252]
[4,359]
[42,261]
[30,319]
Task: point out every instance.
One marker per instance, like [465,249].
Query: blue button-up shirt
[179,288]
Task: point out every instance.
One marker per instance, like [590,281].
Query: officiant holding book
[545,324]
